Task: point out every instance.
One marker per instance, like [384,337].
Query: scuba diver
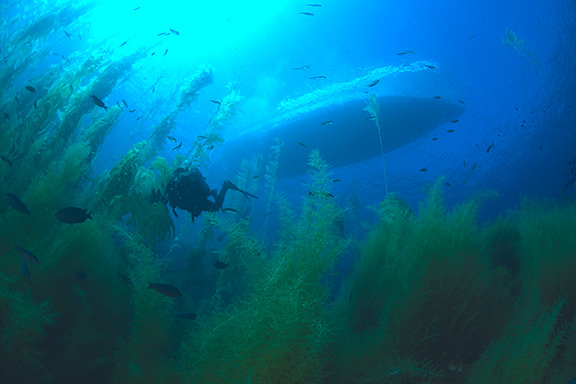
[188,190]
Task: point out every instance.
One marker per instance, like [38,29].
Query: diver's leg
[220,199]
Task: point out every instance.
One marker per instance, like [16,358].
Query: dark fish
[73,215]
[490,147]
[187,315]
[255,177]
[307,13]
[301,144]
[327,122]
[137,8]
[80,275]
[370,118]
[232,210]
[336,180]
[24,268]
[138,118]
[122,44]
[153,89]
[423,170]
[314,5]
[163,33]
[438,97]
[17,99]
[125,103]
[118,104]
[165,289]
[7,160]
[375,82]
[67,34]
[177,147]
[402,53]
[220,265]
[172,139]
[455,121]
[17,204]
[301,68]
[450,130]
[317,77]
[98,102]
[216,102]
[174,31]
[131,110]
[153,53]
[26,254]
[429,66]
[201,137]
[434,138]
[30,88]
[35,105]
[460,101]
[447,184]
[165,52]
[474,166]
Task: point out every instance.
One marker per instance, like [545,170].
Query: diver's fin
[230,185]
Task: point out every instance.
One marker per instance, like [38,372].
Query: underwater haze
[284,191]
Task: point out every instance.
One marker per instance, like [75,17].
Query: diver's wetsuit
[188,190]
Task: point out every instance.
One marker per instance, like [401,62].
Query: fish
[17,204]
[255,176]
[24,268]
[327,122]
[131,110]
[201,137]
[35,105]
[307,13]
[26,254]
[165,289]
[450,130]
[73,215]
[231,210]
[336,180]
[461,102]
[438,97]
[455,121]
[216,102]
[474,166]
[80,275]
[174,31]
[370,118]
[187,315]
[6,160]
[165,52]
[434,138]
[314,5]
[490,147]
[67,34]
[98,102]
[17,99]
[163,33]
[429,66]
[375,82]
[301,68]
[447,184]
[118,104]
[137,8]
[122,44]
[30,88]
[125,103]
[177,147]
[220,265]
[423,170]
[317,77]
[138,118]
[153,53]
[409,51]
[301,144]
[402,53]
[172,139]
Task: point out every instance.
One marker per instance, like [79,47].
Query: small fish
[450,130]
[474,166]
[7,160]
[402,53]
[434,138]
[67,34]
[314,5]
[447,184]
[17,204]
[98,102]
[177,147]
[301,144]
[35,105]
[429,66]
[153,53]
[455,121]
[370,118]
[118,104]
[172,139]
[462,102]
[26,254]
[336,180]
[138,118]
[423,170]
[220,265]
[17,99]
[163,33]
[409,51]
[438,97]
[255,177]
[490,147]
[30,88]
[153,89]
[80,275]
[375,82]
[301,68]
[122,44]
[216,102]
[317,77]
[73,215]
[137,8]
[307,13]
[24,268]
[131,110]
[174,31]
[327,122]
[201,137]
[165,289]
[231,210]
[125,103]
[165,52]
[187,315]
